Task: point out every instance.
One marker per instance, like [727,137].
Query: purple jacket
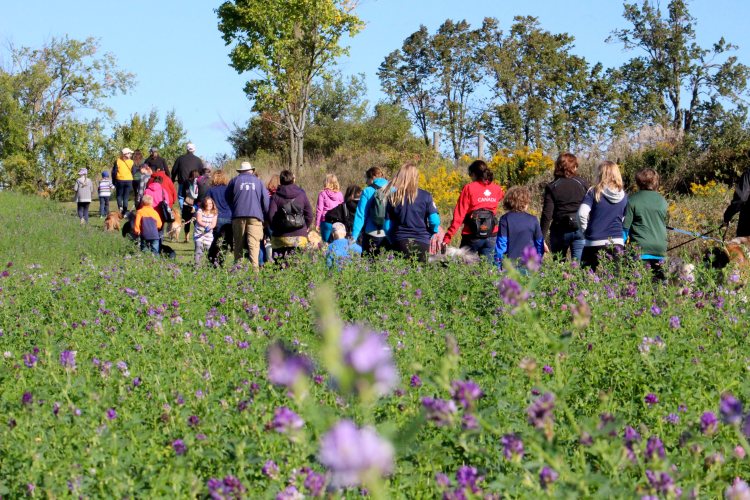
[327,200]
[286,193]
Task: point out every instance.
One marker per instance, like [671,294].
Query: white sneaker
[83,221]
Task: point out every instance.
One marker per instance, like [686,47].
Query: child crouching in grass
[205,221]
[519,233]
[147,225]
[645,225]
[341,250]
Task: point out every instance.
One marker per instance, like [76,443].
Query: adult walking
[249,201]
[84,190]
[562,198]
[222,241]
[122,175]
[739,204]
[138,162]
[369,219]
[183,165]
[290,217]
[476,209]
[601,216]
[412,213]
[156,162]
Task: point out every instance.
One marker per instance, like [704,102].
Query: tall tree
[144,131]
[289,43]
[405,76]
[668,83]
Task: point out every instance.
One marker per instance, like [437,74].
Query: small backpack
[482,223]
[377,207]
[290,216]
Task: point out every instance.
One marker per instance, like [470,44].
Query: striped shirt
[202,233]
[105,188]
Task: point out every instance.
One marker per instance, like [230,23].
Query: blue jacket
[362,215]
[247,197]
[516,232]
[219,195]
[341,251]
[602,221]
[417,221]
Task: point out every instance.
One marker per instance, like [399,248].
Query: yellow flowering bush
[710,189]
[519,166]
[445,185]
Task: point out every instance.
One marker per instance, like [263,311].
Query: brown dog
[112,221]
[173,231]
[737,249]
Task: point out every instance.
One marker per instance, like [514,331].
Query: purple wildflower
[730,409]
[661,482]
[512,446]
[547,476]
[369,355]
[136,381]
[290,493]
[351,453]
[178,445]
[68,360]
[270,469]
[285,367]
[27,398]
[286,421]
[315,483]
[548,369]
[654,448]
[465,392]
[467,477]
[469,422]
[674,322]
[56,408]
[709,423]
[228,488]
[439,411]
[531,258]
[672,418]
[512,293]
[655,310]
[29,360]
[111,414]
[738,491]
[415,381]
[630,436]
[442,480]
[540,413]
[651,399]
[193,420]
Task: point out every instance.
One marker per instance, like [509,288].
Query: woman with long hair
[330,197]
[476,209]
[562,198]
[412,213]
[601,215]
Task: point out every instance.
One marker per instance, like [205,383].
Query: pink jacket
[327,200]
[157,192]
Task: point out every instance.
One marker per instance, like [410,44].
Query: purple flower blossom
[651,399]
[178,445]
[467,477]
[315,483]
[531,259]
[285,367]
[548,369]
[730,409]
[270,469]
[674,322]
[469,422]
[672,418]
[111,414]
[630,436]
[415,381]
[709,423]
[68,360]
[512,293]
[286,421]
[512,446]
[193,420]
[27,398]
[369,355]
[290,493]
[229,488]
[442,480]
[655,310]
[29,360]
[654,449]
[465,392]
[661,482]
[738,491]
[439,411]
[541,413]
[547,476]
[351,453]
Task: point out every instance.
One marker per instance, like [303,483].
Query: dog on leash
[173,231]
[112,221]
[464,255]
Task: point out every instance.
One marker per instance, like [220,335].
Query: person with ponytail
[412,213]
[476,209]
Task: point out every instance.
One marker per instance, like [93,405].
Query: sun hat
[83,171]
[245,166]
[191,147]
[127,151]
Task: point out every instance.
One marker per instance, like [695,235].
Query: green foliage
[143,131]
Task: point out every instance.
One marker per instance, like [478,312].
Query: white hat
[127,151]
[245,166]
[338,226]
[191,147]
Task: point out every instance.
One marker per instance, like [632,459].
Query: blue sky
[181,63]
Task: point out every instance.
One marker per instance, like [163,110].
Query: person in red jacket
[476,210]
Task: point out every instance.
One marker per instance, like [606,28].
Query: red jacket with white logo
[474,196]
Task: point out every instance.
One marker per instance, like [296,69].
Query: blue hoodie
[247,197]
[362,215]
[601,221]
[341,251]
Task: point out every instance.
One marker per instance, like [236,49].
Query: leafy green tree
[674,76]
[289,43]
[406,75]
[143,131]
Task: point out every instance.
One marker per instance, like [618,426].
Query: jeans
[152,245]
[83,210]
[247,229]
[103,206]
[485,247]
[560,242]
[123,193]
[411,249]
[181,194]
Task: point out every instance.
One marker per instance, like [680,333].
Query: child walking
[84,189]
[519,233]
[205,221]
[147,225]
[645,224]
[105,193]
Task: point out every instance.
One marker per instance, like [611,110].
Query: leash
[696,236]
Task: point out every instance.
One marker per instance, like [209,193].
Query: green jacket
[646,222]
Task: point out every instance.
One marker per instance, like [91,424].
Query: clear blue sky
[181,63]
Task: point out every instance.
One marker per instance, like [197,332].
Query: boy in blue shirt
[341,250]
[518,229]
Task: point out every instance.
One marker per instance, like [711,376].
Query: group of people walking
[269,221]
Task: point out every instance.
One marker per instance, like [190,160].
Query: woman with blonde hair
[413,216]
[601,215]
[330,197]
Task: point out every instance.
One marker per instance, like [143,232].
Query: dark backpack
[482,223]
[290,217]
[377,207]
